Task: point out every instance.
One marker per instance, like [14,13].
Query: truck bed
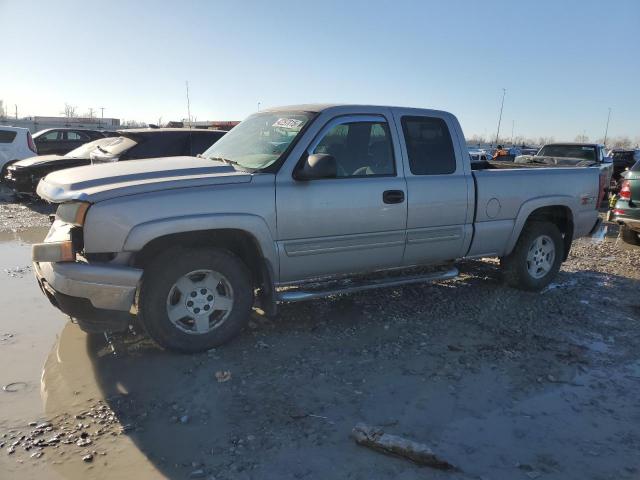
[506,193]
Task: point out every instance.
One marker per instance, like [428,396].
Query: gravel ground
[504,384]
[18,215]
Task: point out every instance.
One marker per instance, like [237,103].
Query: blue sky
[563,63]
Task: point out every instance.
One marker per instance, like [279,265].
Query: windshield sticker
[288,123]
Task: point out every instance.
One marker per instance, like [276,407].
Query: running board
[300,295]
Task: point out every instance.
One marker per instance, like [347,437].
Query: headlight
[73,212]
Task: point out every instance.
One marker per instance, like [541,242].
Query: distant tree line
[612,142]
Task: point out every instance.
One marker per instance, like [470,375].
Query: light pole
[606,130]
[513,126]
[101,115]
[504,92]
[258,106]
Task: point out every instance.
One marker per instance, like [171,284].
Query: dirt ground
[504,384]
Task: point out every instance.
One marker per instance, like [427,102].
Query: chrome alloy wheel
[540,257]
[199,301]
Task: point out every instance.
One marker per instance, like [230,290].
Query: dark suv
[62,140]
[623,159]
[23,176]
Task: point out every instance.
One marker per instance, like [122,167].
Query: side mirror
[317,166]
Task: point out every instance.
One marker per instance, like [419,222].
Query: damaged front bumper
[99,295]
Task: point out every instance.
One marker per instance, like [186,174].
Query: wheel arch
[246,236]
[556,210]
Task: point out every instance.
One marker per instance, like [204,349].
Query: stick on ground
[374,437]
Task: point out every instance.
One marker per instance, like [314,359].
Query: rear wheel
[629,236]
[536,258]
[192,300]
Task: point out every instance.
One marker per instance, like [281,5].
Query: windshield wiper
[224,160]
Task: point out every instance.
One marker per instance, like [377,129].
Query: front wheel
[536,258]
[192,300]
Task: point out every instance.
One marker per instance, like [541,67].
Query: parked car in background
[15,144]
[626,211]
[623,159]
[574,155]
[289,198]
[23,176]
[62,140]
[528,150]
[478,154]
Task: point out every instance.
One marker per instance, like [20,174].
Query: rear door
[440,208]
[352,223]
[72,139]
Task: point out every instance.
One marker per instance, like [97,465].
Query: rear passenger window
[429,146]
[7,136]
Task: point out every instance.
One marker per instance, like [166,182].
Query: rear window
[429,146]
[7,136]
[200,142]
[625,156]
[160,144]
[569,151]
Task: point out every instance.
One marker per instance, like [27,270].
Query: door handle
[393,196]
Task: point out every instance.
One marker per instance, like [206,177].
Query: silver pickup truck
[296,203]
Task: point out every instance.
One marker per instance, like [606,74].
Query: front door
[355,222]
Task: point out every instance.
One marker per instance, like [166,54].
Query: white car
[15,144]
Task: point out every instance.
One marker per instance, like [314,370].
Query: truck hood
[37,160]
[95,183]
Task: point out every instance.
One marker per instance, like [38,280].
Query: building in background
[37,123]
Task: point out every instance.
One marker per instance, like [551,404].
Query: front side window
[52,136]
[360,149]
[261,140]
[429,146]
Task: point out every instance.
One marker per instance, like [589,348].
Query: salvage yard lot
[504,384]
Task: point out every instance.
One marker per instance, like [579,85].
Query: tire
[536,258]
[214,280]
[629,236]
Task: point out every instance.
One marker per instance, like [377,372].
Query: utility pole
[16,105]
[513,126]
[258,106]
[188,104]
[101,115]
[504,92]
[90,113]
[606,130]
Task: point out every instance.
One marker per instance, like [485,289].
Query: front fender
[528,207]
[254,225]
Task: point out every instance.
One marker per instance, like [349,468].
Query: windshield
[83,150]
[260,140]
[569,151]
